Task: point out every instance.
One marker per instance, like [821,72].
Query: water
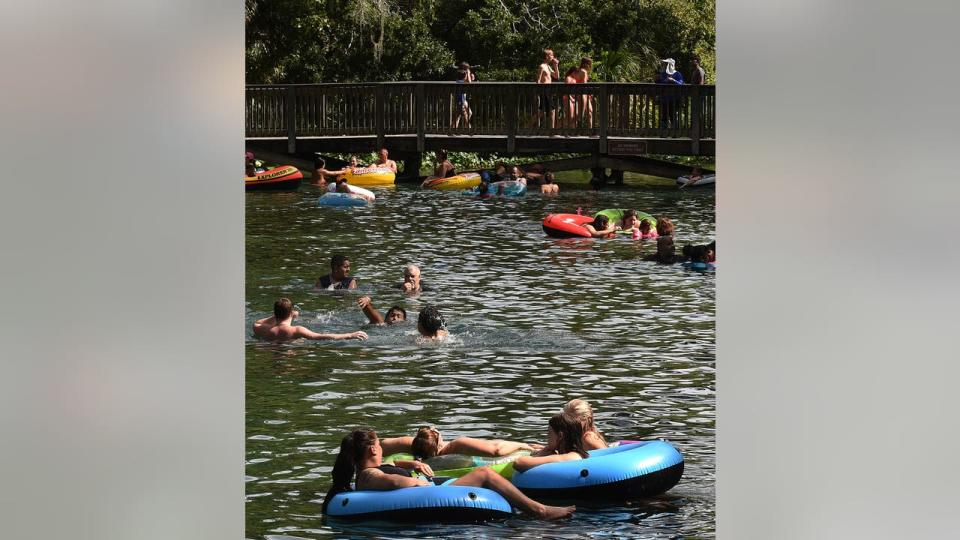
[534,321]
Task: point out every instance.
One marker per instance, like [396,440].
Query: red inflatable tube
[566,225]
[285,177]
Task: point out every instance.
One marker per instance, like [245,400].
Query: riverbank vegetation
[315,41]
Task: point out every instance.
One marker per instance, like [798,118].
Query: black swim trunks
[546,103]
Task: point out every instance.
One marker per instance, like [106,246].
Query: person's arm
[417,466]
[372,313]
[600,234]
[524,463]
[353,283]
[305,332]
[483,447]
[377,480]
[396,445]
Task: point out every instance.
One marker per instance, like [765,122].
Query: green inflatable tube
[615,215]
[457,465]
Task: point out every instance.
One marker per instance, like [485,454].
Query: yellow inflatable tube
[460,181]
[370,176]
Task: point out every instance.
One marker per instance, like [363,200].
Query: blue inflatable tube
[511,188]
[700,266]
[341,199]
[625,472]
[426,504]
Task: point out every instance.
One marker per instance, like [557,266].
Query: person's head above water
[384,154]
[600,222]
[664,226]
[426,444]
[353,161]
[565,434]
[395,314]
[282,309]
[339,267]
[441,156]
[411,275]
[645,226]
[430,321]
[629,219]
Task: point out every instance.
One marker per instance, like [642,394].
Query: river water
[535,322]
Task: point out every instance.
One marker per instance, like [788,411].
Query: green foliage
[302,41]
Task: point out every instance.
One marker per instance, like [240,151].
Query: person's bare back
[271,330]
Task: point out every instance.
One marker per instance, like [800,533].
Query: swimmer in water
[601,227]
[339,276]
[430,324]
[280,326]
[564,443]
[395,314]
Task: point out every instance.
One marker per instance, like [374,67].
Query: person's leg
[485,477]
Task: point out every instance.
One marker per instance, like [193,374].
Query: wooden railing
[596,110]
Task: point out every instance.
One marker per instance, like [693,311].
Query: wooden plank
[290,119]
[604,117]
[420,107]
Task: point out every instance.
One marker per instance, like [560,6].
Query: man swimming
[280,326]
[431,325]
[394,315]
[411,280]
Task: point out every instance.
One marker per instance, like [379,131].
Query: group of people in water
[603,227]
[570,435]
[280,328]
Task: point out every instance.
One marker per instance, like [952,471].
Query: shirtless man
[431,325]
[548,71]
[394,315]
[339,276]
[411,280]
[385,161]
[280,327]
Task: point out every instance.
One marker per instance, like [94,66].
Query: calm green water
[534,322]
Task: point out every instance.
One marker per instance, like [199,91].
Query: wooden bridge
[408,118]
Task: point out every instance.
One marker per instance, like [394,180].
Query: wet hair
[397,308]
[600,222]
[664,226]
[442,155]
[586,63]
[484,188]
[570,434]
[425,444]
[319,163]
[687,251]
[282,309]
[429,321]
[645,225]
[627,214]
[337,261]
[581,411]
[548,177]
[697,253]
[665,249]
[352,449]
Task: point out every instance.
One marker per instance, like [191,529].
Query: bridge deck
[604,118]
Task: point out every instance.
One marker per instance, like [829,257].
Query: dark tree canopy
[307,41]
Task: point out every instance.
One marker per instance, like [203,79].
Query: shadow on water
[535,322]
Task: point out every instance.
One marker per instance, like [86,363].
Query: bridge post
[379,111]
[291,119]
[512,119]
[696,110]
[421,118]
[604,117]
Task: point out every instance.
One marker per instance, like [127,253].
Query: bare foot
[557,512]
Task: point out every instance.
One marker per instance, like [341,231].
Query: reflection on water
[534,322]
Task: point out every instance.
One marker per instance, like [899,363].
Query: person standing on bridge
[548,71]
[385,162]
[669,110]
[698,75]
[586,101]
[464,76]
